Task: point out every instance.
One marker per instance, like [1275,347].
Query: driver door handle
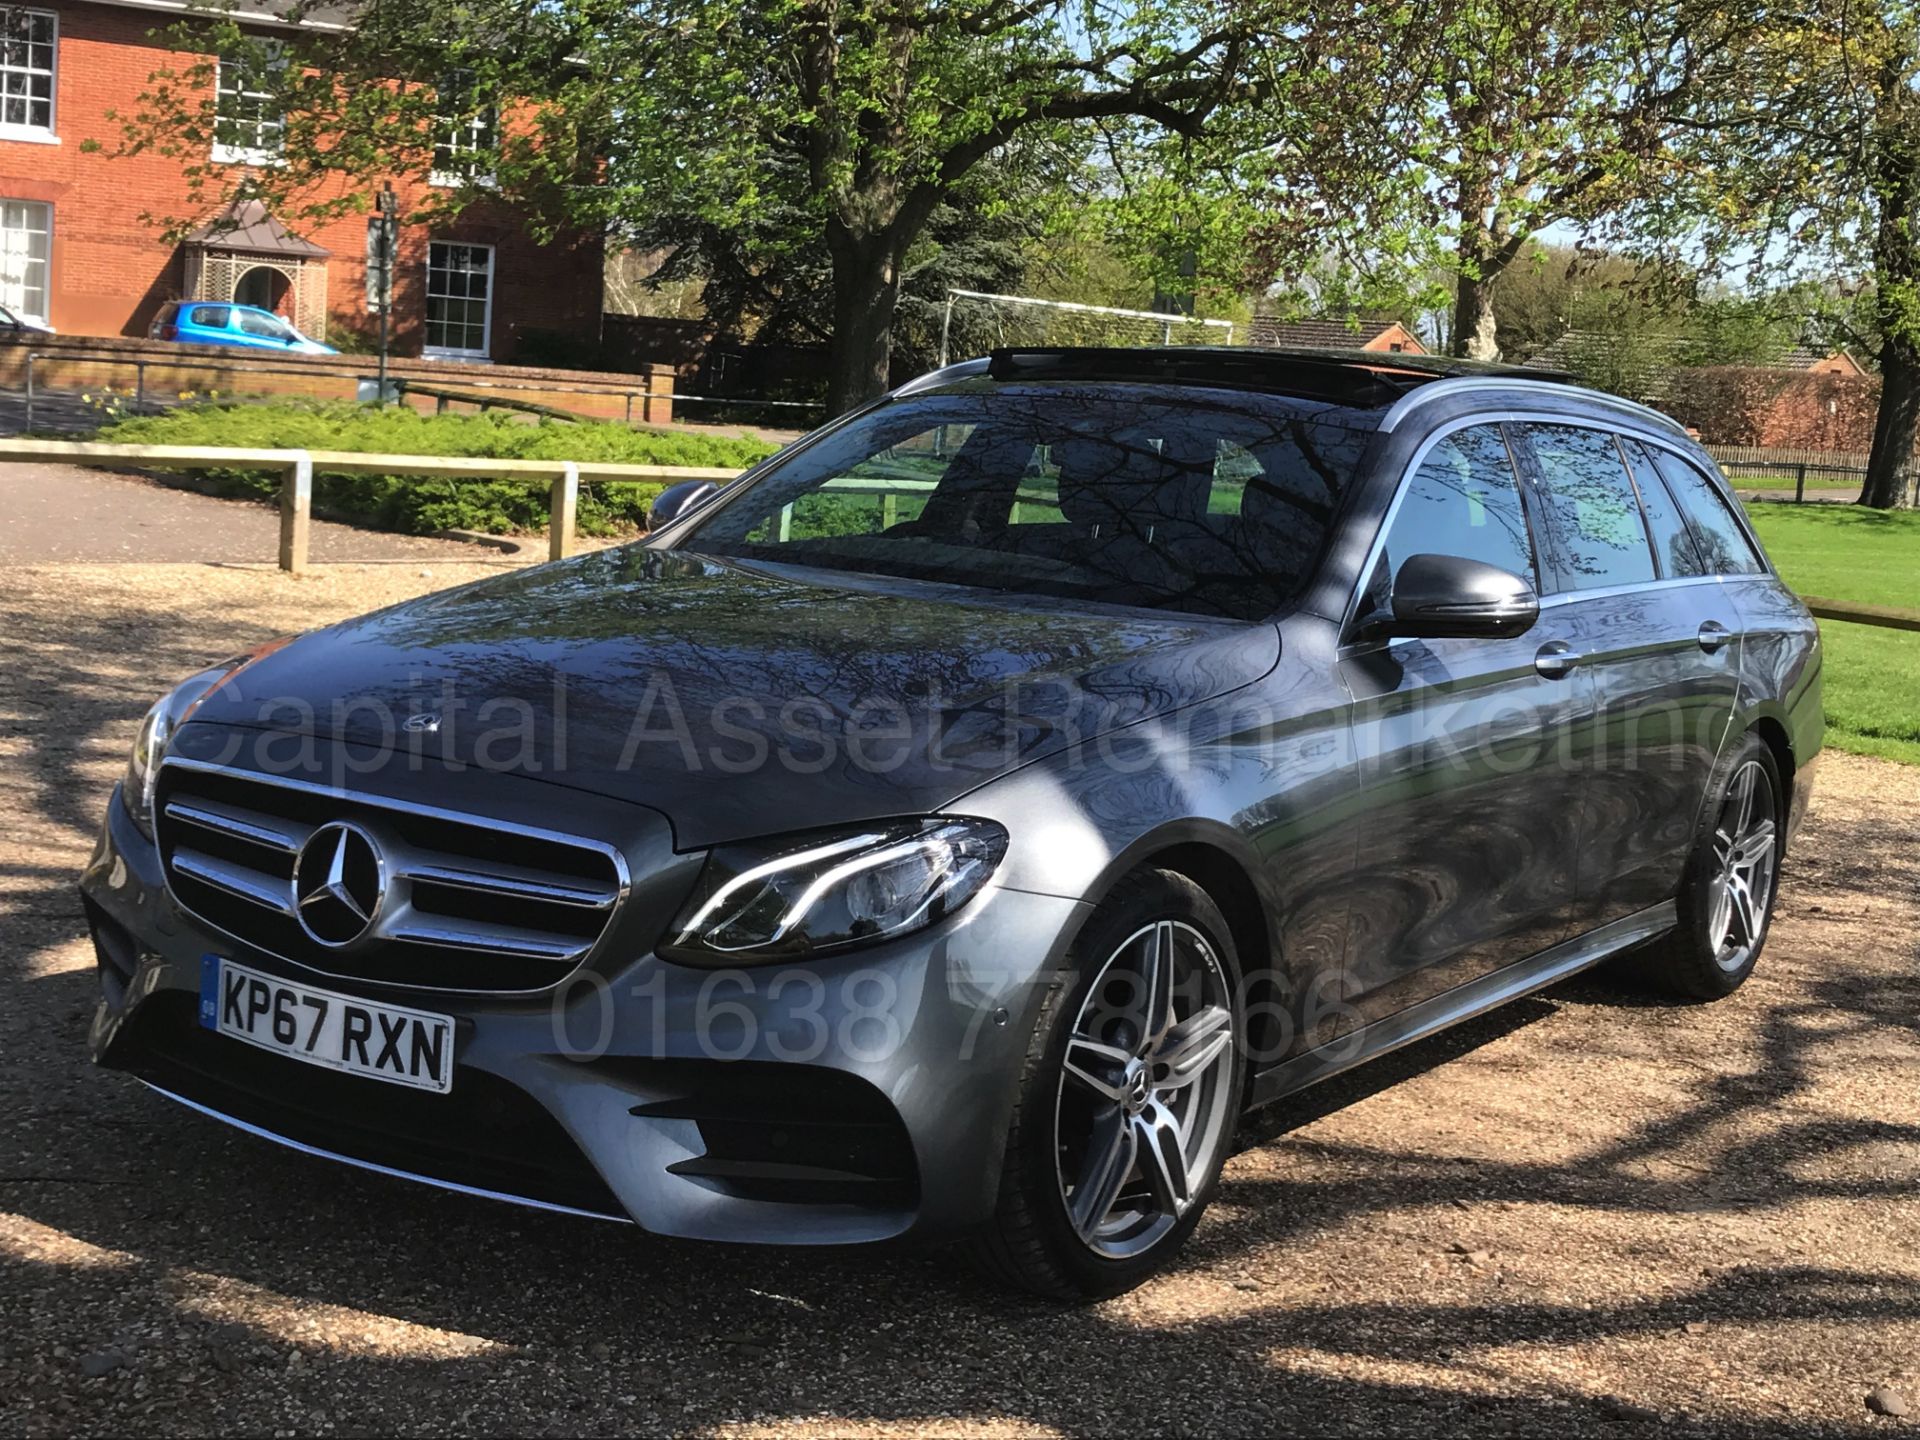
[1556,659]
[1713,635]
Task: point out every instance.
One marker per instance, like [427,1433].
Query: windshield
[1206,501]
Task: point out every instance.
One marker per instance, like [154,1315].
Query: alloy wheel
[1145,1100]
[1746,853]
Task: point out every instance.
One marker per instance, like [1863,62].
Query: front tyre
[1128,1099]
[1726,900]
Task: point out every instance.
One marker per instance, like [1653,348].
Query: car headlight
[169,712]
[808,895]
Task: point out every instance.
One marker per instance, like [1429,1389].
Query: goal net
[977,321]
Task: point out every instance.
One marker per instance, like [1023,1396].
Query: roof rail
[1545,382]
[1355,379]
[1395,380]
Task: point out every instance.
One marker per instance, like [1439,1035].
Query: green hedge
[421,506]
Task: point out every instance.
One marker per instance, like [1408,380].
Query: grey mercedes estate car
[953,826]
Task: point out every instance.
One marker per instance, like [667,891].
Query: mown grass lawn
[1846,552]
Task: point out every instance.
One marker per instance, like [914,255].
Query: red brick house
[74,253]
[1798,399]
[1384,336]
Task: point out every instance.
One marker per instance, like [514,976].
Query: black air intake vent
[798,1134]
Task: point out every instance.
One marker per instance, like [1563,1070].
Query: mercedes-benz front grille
[357,886]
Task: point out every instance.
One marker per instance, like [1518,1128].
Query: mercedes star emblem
[339,882]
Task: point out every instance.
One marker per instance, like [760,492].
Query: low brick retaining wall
[85,362]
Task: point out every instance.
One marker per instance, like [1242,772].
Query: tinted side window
[1464,500]
[1592,514]
[1723,544]
[214,317]
[1673,543]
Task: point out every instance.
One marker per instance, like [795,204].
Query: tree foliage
[1551,289]
[757,282]
[796,128]
[1425,146]
[1805,165]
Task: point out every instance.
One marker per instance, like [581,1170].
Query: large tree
[841,124]
[1550,289]
[1806,163]
[757,282]
[1451,134]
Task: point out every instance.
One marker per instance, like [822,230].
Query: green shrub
[422,506]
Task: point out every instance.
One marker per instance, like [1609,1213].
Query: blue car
[205,322]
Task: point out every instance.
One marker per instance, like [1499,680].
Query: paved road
[54,513]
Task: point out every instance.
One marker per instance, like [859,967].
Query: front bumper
[851,1100]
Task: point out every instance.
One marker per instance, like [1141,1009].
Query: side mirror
[678,500]
[1440,596]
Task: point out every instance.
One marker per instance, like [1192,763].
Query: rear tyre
[1128,1099]
[1726,898]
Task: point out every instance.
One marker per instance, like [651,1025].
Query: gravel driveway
[1586,1214]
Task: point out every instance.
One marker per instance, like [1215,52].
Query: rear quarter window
[1673,542]
[1723,544]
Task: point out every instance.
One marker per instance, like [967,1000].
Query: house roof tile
[1335,334]
[248,225]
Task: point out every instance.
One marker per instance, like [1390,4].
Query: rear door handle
[1556,659]
[1713,635]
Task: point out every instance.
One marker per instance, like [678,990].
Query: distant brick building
[1818,407]
[75,254]
[1800,399]
[1648,365]
[1388,336]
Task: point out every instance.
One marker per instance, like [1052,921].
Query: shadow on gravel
[72,709]
[697,1335]
[207,1258]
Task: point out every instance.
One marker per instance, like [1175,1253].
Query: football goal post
[978,320]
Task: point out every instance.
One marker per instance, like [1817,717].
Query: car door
[1659,637]
[1471,781]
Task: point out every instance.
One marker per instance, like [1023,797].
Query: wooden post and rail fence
[562,478]
[1831,472]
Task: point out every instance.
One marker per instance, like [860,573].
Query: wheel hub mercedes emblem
[339,883]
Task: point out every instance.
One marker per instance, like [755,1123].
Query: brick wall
[84,363]
[111,271]
[1777,409]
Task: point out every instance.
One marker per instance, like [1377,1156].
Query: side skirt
[1429,1017]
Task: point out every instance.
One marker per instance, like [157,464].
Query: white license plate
[322,1027]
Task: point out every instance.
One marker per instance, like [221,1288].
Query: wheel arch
[1771,731]
[1218,860]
